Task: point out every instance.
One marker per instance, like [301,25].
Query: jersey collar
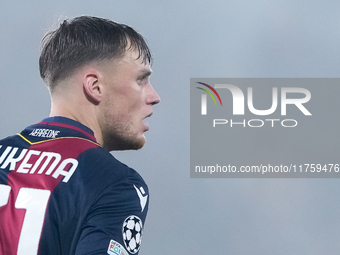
[68,123]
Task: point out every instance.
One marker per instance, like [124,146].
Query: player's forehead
[135,62]
[130,64]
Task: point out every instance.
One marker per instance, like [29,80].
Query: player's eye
[143,80]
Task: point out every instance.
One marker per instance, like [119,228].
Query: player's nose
[153,98]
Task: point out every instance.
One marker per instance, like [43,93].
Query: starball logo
[238,105]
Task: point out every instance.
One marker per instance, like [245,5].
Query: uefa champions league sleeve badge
[132,233]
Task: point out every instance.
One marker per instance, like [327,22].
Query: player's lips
[149,115]
[146,122]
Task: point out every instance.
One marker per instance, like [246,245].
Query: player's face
[127,101]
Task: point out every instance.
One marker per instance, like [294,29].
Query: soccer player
[61,191]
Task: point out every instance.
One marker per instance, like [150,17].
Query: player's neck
[85,116]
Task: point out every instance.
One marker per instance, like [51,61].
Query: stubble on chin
[120,137]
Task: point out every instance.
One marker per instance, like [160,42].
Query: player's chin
[139,143]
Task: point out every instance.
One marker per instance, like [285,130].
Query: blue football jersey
[61,193]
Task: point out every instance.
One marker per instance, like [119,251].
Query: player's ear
[91,86]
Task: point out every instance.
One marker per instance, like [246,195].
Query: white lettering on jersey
[66,167]
[24,166]
[61,169]
[5,153]
[49,156]
[42,132]
[12,160]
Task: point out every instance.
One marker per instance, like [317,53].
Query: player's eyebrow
[145,72]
